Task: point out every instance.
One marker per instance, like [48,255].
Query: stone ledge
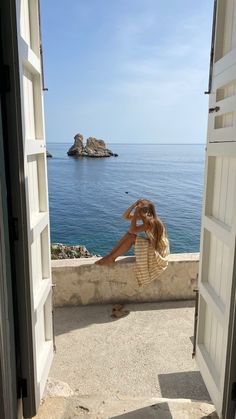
[81,282]
[174,257]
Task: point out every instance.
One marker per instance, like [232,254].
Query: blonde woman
[151,251]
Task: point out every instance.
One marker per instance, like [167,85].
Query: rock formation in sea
[62,251]
[93,148]
[49,154]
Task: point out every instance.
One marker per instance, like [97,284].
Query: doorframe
[8,375]
[15,217]
[25,317]
[8,382]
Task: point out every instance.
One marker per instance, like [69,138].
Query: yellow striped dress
[149,263]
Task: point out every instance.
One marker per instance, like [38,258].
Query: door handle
[215,109]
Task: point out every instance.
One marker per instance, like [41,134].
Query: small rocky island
[93,148]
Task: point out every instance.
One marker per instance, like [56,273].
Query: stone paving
[139,366]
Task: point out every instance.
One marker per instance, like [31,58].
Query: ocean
[88,196]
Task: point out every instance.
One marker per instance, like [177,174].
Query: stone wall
[81,282]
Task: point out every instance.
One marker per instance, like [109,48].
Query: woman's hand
[127,214]
[134,228]
[137,212]
[139,201]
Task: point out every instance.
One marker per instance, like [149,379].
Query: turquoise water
[88,196]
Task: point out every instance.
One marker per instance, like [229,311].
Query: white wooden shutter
[217,262]
[35,176]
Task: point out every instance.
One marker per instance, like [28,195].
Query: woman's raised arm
[134,228]
[127,214]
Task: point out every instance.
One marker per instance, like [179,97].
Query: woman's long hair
[155,227]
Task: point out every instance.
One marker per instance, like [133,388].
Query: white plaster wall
[81,282]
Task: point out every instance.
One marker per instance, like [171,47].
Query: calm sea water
[88,196]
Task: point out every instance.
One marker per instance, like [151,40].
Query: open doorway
[168,174]
[28,191]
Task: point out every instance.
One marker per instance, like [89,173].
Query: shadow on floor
[183,385]
[72,318]
[160,411]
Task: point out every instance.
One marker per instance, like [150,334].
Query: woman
[150,251]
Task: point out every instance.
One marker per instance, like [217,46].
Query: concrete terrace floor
[139,366]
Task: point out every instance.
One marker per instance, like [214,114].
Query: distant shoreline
[69,251]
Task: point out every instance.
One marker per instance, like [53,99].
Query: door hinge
[5,84]
[22,388]
[233,392]
[215,109]
[15,229]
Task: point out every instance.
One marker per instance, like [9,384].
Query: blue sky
[126,71]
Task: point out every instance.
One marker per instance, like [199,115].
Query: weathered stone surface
[81,282]
[58,388]
[152,408]
[93,148]
[62,251]
[139,367]
[77,147]
[93,143]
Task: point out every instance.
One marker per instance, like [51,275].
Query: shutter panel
[40,338]
[217,262]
